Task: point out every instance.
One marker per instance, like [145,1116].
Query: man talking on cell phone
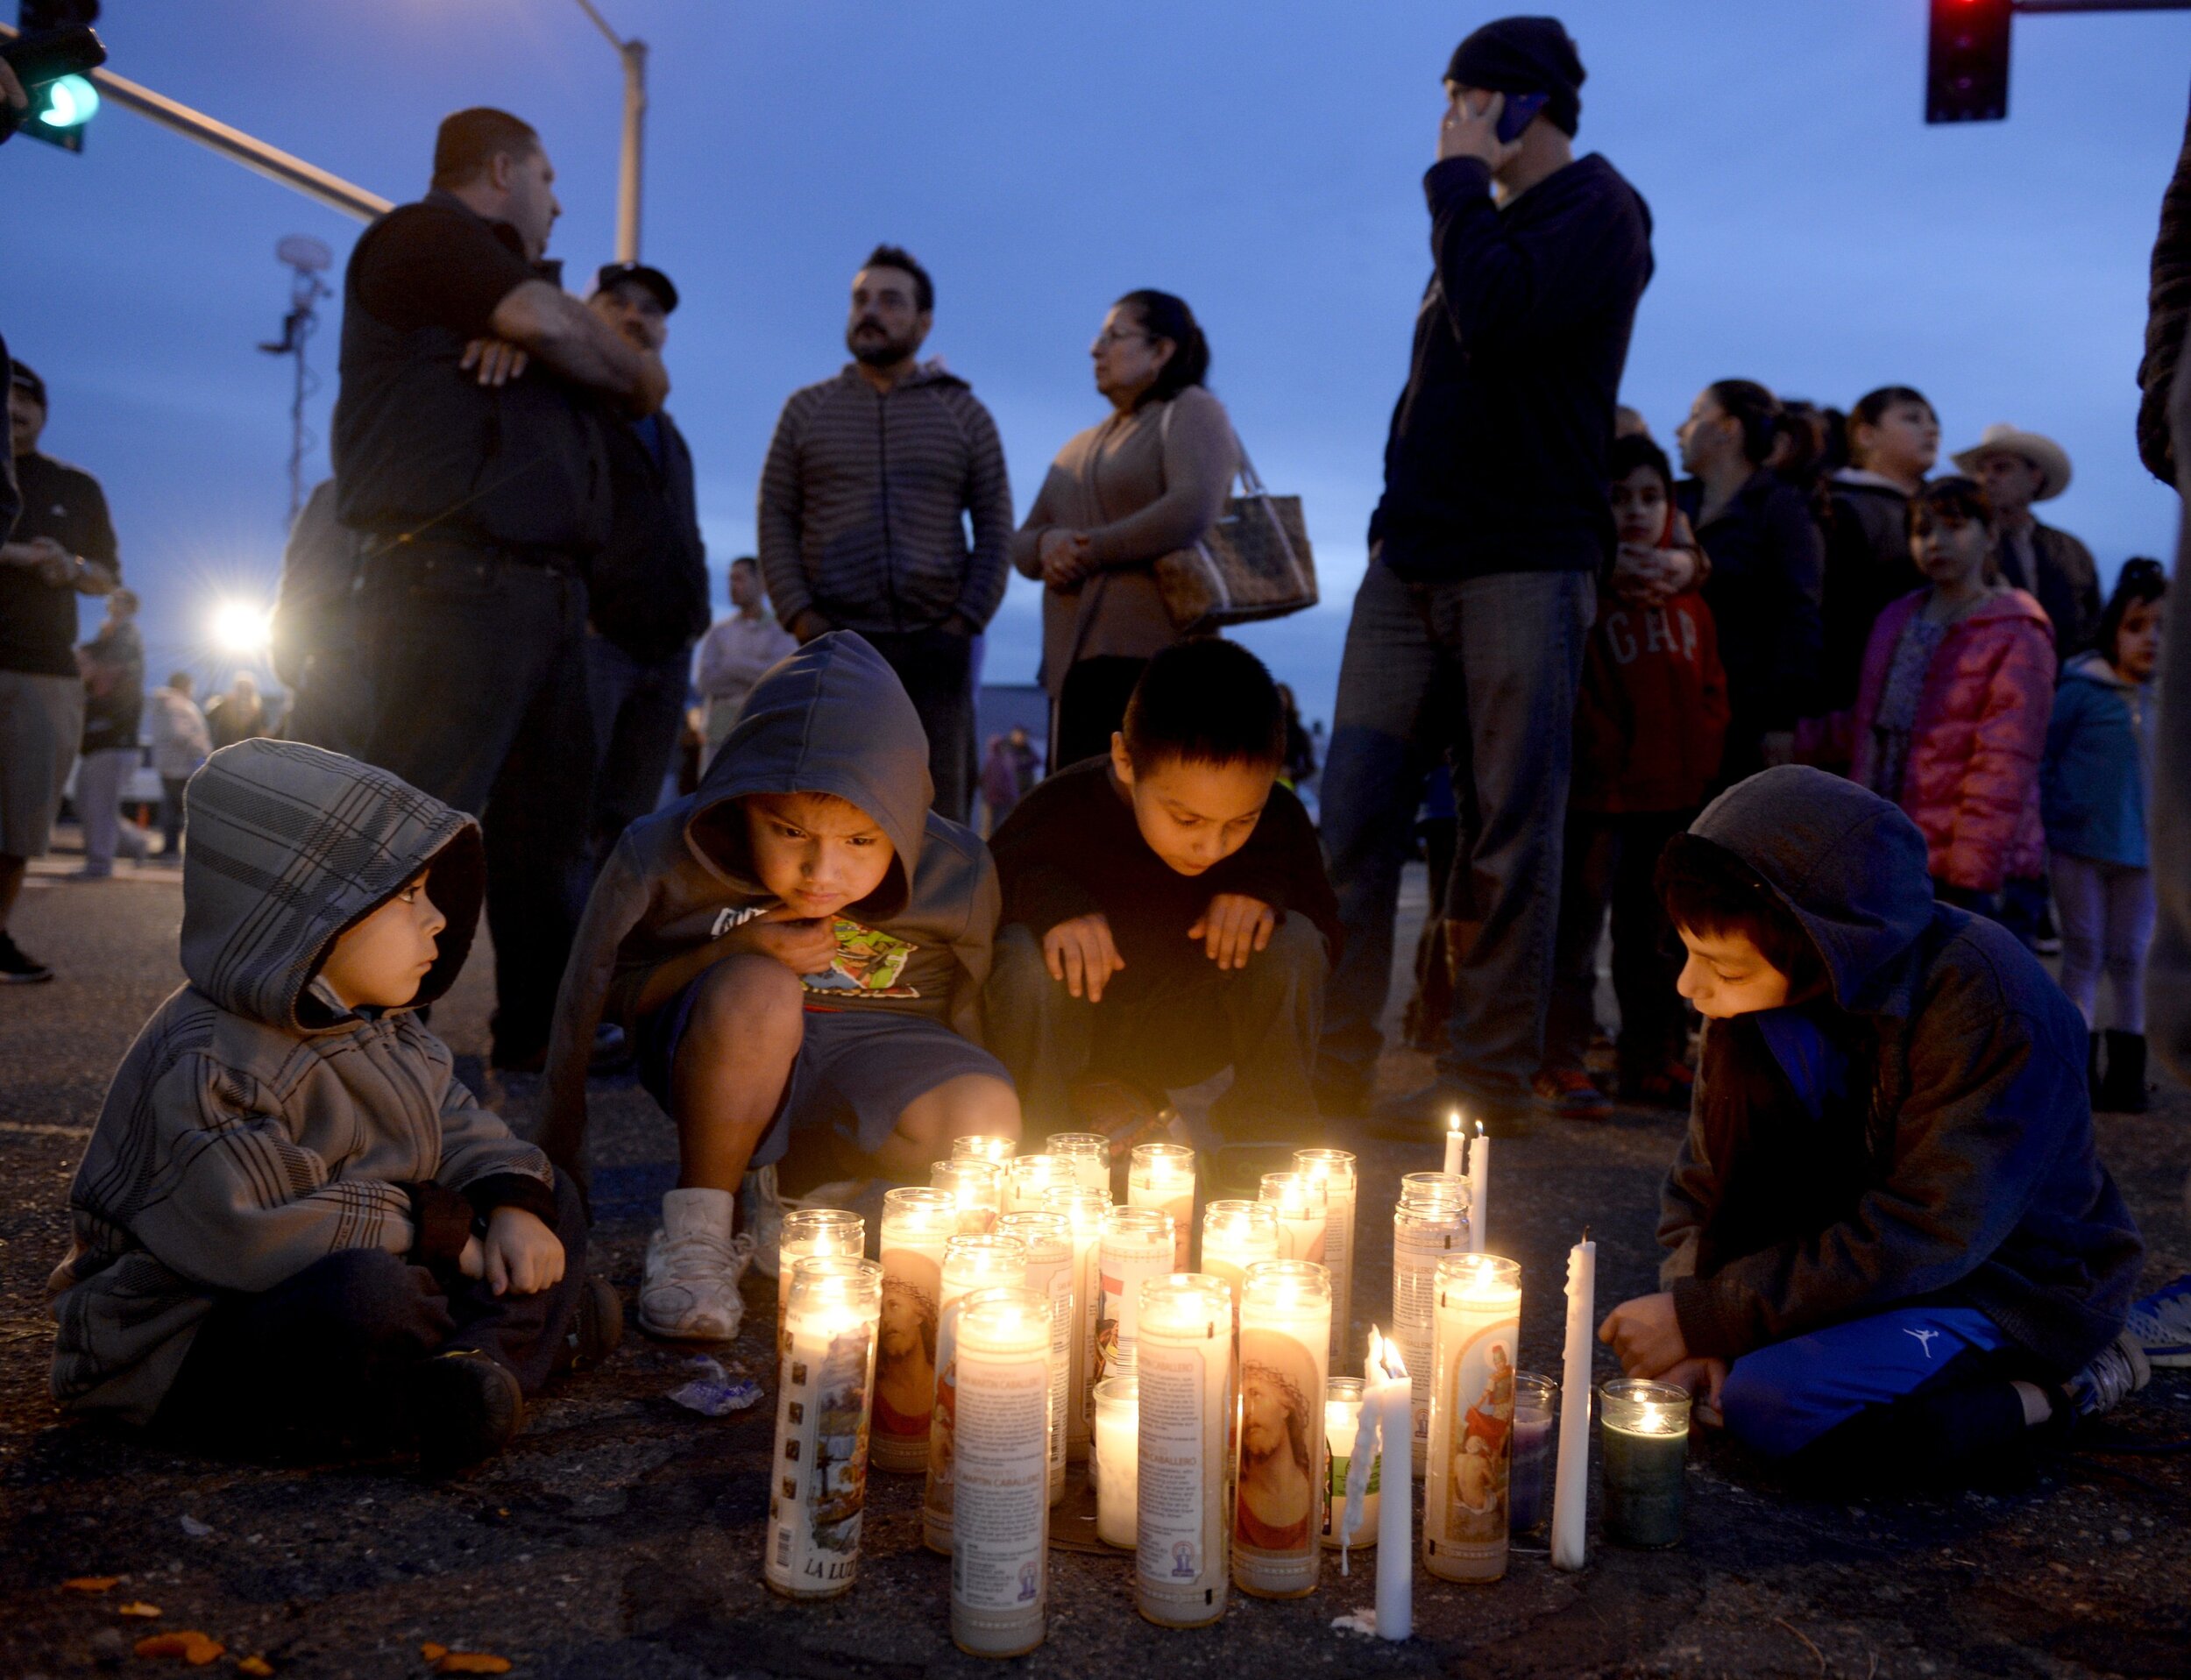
[1468,630]
[469,456]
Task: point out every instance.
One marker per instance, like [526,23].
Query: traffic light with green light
[59,109]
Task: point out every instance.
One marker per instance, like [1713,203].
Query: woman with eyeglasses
[1147,480]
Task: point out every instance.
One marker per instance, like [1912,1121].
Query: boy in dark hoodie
[293,1224]
[1167,915]
[797,948]
[1892,1250]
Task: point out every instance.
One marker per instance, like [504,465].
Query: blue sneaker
[2162,1324]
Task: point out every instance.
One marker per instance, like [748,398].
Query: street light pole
[634,56]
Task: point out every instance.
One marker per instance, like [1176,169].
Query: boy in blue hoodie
[798,950]
[1892,1249]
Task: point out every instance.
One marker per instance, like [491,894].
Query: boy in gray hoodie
[292,1220]
[796,949]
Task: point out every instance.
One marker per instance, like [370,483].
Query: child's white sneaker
[690,1288]
[765,1218]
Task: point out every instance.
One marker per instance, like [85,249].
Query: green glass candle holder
[1644,1431]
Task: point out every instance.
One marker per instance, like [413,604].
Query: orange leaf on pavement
[432,1652]
[472,1662]
[257,1667]
[90,1584]
[191,1645]
[145,1610]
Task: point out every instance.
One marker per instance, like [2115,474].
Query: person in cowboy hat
[2018,468]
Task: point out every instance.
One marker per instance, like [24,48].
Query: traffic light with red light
[1967,65]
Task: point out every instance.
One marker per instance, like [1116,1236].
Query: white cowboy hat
[2051,459]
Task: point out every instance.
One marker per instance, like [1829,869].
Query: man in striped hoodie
[872,479]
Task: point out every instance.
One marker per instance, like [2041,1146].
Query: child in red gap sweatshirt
[1648,724]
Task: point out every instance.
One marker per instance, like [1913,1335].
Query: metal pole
[628,174]
[271,162]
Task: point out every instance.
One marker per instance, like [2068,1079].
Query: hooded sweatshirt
[257,1126]
[2099,763]
[831,718]
[1976,1179]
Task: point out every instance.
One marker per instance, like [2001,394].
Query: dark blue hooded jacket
[1974,1176]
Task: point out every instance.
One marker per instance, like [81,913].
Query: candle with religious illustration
[1429,1221]
[1137,1244]
[970,1263]
[1334,1169]
[1049,1240]
[1084,1209]
[1471,1417]
[1645,1435]
[1181,1512]
[1570,1486]
[1386,1423]
[1116,1460]
[1478,1190]
[917,1222]
[818,1479]
[1030,1178]
[810,1231]
[1162,1176]
[1284,1359]
[1455,1146]
[1090,1151]
[1000,1536]
[978,1187]
[1303,1205]
[996,1151]
[1342,1426]
[1236,1235]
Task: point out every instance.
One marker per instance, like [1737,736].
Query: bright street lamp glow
[241,627]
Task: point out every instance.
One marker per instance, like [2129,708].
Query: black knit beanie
[1524,55]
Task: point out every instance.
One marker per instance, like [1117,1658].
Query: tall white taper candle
[1570,1491]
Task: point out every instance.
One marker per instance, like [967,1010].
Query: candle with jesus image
[1285,1356]
[917,1222]
[818,1474]
[1464,1514]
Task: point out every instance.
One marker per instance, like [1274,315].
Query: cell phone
[1518,113]
[49,54]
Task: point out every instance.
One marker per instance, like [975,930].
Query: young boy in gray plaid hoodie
[293,1222]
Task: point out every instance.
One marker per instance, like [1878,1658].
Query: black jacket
[1965,1167]
[1496,460]
[1868,567]
[2068,585]
[647,588]
[1767,580]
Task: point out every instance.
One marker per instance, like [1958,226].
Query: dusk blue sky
[1264,162]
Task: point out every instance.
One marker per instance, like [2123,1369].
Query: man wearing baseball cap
[646,590]
[2018,468]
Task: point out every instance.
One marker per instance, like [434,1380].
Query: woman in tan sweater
[1149,480]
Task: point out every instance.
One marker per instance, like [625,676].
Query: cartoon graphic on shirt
[867,965]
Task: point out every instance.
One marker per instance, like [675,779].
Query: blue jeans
[638,708]
[1484,670]
[1782,1398]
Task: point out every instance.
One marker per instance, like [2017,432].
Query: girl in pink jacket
[1951,706]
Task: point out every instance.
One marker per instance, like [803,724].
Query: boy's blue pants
[1780,1399]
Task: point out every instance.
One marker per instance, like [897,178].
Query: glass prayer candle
[1117,1458]
[1478,1312]
[1049,1240]
[1181,1512]
[1425,1230]
[996,1151]
[1303,1205]
[1645,1438]
[1536,1405]
[1030,1178]
[1334,1169]
[1136,1245]
[1434,1189]
[1000,1540]
[1236,1235]
[970,1263]
[810,1232]
[1284,1359]
[1090,1151]
[1084,1209]
[1342,1425]
[1162,1176]
[817,1483]
[977,1186]
[917,1223]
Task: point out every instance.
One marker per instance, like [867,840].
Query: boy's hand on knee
[805,944]
[522,1255]
[1081,953]
[473,1261]
[1234,925]
[1645,1333]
